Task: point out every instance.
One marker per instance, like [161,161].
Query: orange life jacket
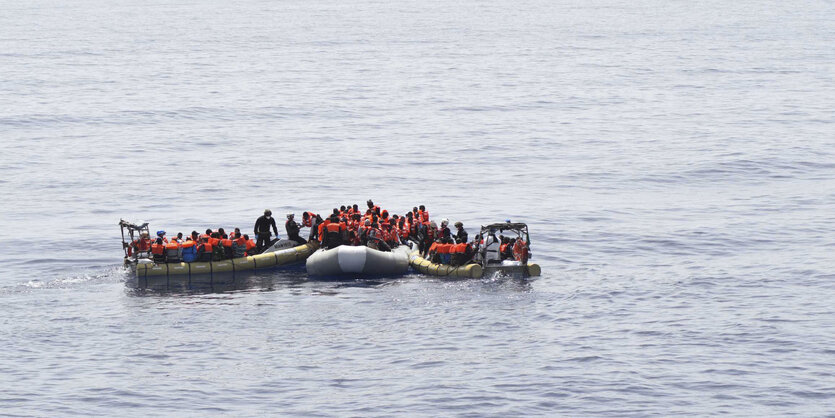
[157,249]
[143,245]
[335,227]
[208,247]
[188,244]
[172,246]
[226,243]
[520,250]
[250,244]
[433,247]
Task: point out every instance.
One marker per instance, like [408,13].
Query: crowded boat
[372,227]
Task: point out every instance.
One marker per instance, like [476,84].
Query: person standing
[262,230]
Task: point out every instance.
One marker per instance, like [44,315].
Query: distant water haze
[674,162]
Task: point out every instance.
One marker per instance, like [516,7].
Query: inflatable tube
[360,260]
[423,265]
[283,256]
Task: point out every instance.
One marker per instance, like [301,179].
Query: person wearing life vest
[376,239]
[158,251]
[250,245]
[228,251]
[308,218]
[443,230]
[444,249]
[207,234]
[520,250]
[238,246]
[432,252]
[424,214]
[374,208]
[428,230]
[222,233]
[390,235]
[293,229]
[333,232]
[262,230]
[161,234]
[403,229]
[189,250]
[142,246]
[205,251]
[173,252]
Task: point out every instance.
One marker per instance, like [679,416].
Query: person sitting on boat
[142,246]
[376,239]
[390,235]
[238,245]
[161,235]
[205,250]
[173,252]
[333,232]
[228,251]
[222,233]
[189,252]
[178,238]
[293,229]
[158,251]
[262,230]
[250,245]
[460,233]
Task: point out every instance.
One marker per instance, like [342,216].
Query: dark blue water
[674,162]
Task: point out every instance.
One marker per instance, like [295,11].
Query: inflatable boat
[282,253]
[358,261]
[488,260]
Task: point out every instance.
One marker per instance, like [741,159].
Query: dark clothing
[461,236]
[262,243]
[262,225]
[292,229]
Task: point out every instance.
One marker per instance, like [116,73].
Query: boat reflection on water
[216,283]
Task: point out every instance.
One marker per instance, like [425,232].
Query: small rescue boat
[358,260]
[487,260]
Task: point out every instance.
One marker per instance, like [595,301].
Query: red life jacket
[502,248]
[444,248]
[143,245]
[430,232]
[207,247]
[424,216]
[404,232]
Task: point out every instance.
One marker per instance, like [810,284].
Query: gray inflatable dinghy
[348,260]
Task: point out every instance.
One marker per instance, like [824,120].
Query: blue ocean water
[673,160]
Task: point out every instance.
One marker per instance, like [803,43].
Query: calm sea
[674,160]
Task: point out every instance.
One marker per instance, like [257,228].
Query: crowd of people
[347,225]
